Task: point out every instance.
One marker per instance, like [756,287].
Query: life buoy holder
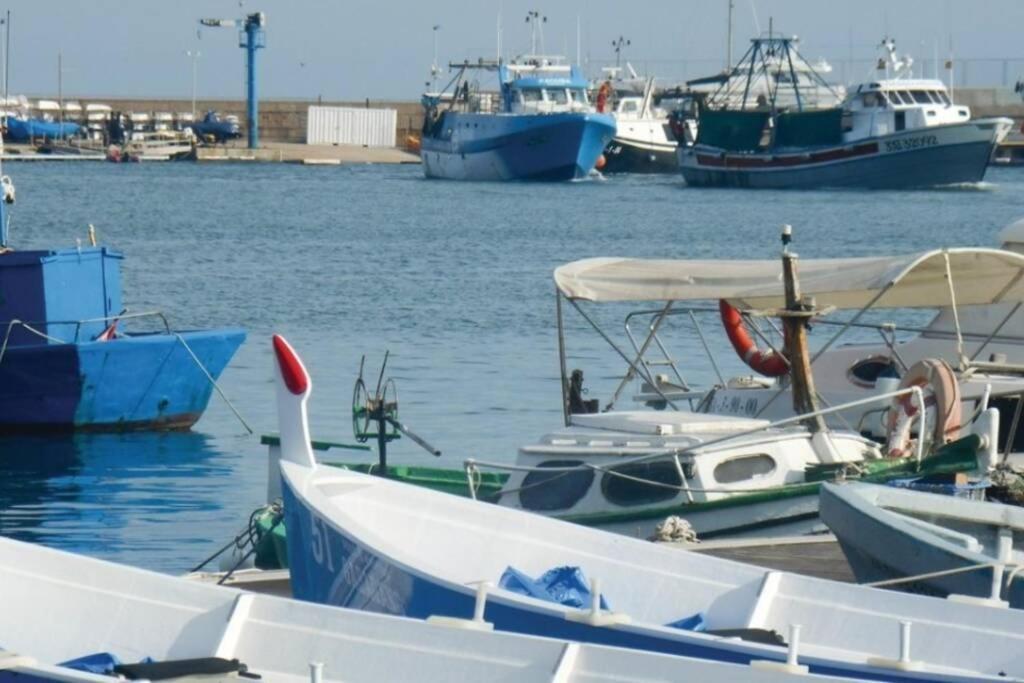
[768,363]
[941,392]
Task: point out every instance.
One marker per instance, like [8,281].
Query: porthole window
[650,482]
[555,490]
[744,468]
[867,371]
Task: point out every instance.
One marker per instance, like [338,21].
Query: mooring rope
[212,381]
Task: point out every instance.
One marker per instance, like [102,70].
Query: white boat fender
[986,426]
[8,189]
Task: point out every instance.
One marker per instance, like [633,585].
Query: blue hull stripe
[135,382]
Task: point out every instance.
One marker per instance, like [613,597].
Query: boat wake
[980,186]
[594,176]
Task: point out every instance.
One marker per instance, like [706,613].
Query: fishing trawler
[893,132]
[539,125]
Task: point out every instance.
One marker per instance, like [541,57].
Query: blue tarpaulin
[563,585]
[568,586]
[99,663]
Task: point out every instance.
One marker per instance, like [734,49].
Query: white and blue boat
[74,619]
[538,126]
[68,363]
[371,543]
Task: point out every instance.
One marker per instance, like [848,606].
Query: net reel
[375,417]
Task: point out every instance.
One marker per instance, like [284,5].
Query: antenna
[618,44]
[728,40]
[536,21]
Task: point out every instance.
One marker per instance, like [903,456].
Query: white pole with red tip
[293,388]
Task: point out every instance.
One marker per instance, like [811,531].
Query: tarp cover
[563,585]
[980,276]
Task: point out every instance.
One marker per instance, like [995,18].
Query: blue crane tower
[252,36]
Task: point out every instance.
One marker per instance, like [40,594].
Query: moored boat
[644,141]
[159,627]
[891,133]
[67,361]
[929,543]
[538,126]
[379,545]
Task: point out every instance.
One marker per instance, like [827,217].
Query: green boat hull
[959,456]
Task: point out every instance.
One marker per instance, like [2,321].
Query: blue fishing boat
[538,126]
[67,363]
[378,545]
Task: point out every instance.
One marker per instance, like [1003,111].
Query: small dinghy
[943,545]
[367,542]
[74,619]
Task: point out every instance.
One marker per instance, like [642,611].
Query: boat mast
[794,322]
[728,40]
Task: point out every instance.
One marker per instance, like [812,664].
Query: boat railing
[31,326]
[652,341]
[472,467]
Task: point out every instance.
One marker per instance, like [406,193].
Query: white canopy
[980,276]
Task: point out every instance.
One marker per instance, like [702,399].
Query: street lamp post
[434,68]
[194,55]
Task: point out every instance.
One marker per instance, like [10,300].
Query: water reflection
[157,500]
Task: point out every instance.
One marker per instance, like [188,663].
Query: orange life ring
[768,363]
[941,391]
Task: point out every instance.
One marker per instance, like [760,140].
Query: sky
[354,49]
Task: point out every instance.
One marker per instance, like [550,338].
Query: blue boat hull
[943,155]
[329,567]
[546,147]
[147,381]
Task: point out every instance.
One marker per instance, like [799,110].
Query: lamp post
[618,44]
[194,55]
[434,69]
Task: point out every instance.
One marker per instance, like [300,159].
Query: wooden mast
[794,322]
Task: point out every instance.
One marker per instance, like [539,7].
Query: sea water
[453,279]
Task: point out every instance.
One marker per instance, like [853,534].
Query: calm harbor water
[454,279]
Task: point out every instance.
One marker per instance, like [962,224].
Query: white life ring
[941,392]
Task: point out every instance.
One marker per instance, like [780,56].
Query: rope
[213,382]
[248,536]
[933,575]
[278,511]
[29,328]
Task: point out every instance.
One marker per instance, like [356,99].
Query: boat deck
[818,556]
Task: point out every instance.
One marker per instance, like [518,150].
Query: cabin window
[867,371]
[942,97]
[920,97]
[744,468]
[651,482]
[578,96]
[894,97]
[870,99]
[558,96]
[629,106]
[907,97]
[558,490]
[531,95]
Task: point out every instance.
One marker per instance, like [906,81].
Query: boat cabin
[890,106]
[631,460]
[542,85]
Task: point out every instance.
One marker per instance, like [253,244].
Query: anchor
[376,416]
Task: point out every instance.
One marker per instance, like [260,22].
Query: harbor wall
[285,120]
[280,120]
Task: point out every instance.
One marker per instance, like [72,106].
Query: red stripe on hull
[786,161]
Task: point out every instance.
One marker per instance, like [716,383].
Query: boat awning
[980,276]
